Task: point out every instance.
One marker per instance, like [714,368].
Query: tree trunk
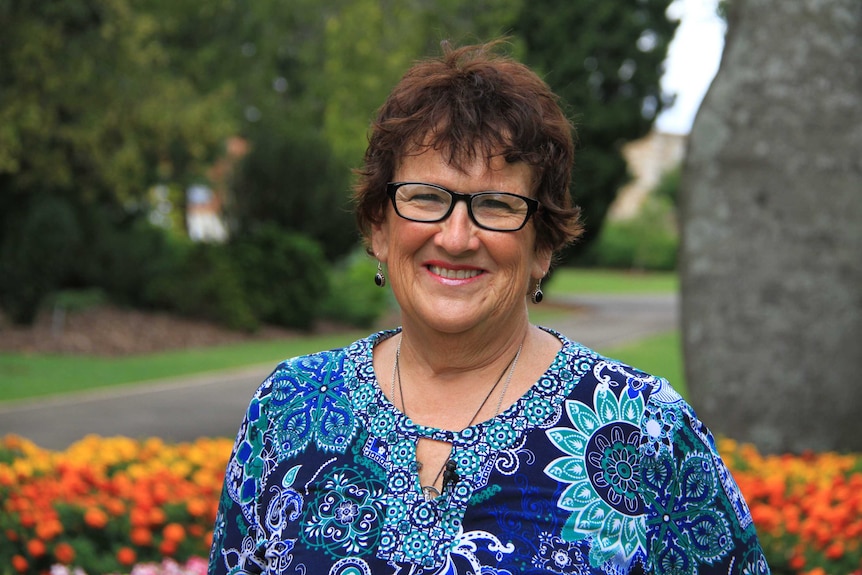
[771,258]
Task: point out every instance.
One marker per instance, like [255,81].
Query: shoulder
[594,373]
[322,371]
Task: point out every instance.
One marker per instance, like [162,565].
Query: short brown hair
[470,101]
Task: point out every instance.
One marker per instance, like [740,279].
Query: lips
[459,274]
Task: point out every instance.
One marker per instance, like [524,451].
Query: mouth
[451,274]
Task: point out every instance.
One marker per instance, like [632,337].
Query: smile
[454,274]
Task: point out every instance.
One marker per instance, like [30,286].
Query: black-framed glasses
[430,203]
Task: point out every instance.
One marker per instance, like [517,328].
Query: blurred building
[204,215]
[649,159]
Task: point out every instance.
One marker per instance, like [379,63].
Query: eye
[424,195]
[500,203]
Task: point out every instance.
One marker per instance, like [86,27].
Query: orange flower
[141,536]
[196,507]
[95,518]
[19,563]
[49,529]
[36,548]
[157,516]
[126,556]
[174,532]
[835,551]
[64,553]
[115,507]
[139,517]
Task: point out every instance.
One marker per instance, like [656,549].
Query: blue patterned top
[597,469]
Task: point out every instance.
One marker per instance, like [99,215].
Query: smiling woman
[469,440]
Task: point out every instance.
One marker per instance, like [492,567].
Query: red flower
[835,551]
[64,553]
[168,548]
[126,556]
[19,563]
[141,536]
[36,548]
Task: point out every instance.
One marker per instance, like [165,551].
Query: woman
[469,440]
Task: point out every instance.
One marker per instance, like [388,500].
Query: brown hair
[473,101]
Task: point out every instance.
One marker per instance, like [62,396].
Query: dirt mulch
[111,331]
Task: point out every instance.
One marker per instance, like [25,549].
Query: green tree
[292,179]
[369,44]
[605,60]
[92,114]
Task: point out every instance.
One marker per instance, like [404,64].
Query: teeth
[454,274]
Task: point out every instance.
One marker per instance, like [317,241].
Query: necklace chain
[430,491]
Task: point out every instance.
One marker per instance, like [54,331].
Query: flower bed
[807,509]
[107,504]
[116,505]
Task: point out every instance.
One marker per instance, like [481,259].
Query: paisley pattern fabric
[598,468]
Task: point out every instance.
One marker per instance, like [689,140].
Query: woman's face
[453,276]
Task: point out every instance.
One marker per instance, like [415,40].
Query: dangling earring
[379,278]
[537,294]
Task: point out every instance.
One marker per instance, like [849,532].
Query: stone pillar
[771,214]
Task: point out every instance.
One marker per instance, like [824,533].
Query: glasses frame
[532,204]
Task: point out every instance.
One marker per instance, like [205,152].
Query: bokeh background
[175,218]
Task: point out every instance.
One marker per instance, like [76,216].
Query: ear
[380,241]
[541,263]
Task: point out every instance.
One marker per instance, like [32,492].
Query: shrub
[292,179]
[36,255]
[123,253]
[284,275]
[354,298]
[203,282]
[649,241]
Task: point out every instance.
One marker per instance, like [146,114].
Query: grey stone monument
[771,214]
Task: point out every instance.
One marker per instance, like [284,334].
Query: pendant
[430,492]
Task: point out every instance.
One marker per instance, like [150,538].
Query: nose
[457,232]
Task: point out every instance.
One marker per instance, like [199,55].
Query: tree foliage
[90,105]
[92,114]
[605,60]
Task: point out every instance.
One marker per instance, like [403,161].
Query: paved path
[212,405]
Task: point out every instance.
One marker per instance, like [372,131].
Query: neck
[445,399]
[446,377]
[444,358]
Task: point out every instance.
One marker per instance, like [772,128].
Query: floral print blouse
[598,468]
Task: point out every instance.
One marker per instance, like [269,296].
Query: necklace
[430,491]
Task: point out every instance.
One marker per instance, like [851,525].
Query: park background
[184,169]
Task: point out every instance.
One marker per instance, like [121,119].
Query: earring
[537,294]
[379,278]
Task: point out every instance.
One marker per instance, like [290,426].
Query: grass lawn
[591,281]
[659,355]
[24,376]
